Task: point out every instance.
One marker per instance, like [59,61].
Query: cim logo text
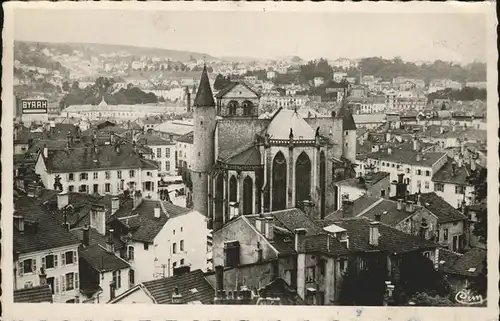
[34,106]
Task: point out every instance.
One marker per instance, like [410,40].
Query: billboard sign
[34,106]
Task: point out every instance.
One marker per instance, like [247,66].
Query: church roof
[204,96]
[232,85]
[284,120]
[249,156]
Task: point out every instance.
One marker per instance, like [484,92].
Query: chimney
[423,229]
[258,224]
[419,157]
[45,151]
[378,216]
[299,234]
[460,161]
[137,199]
[109,242]
[400,204]
[176,296]
[454,128]
[269,226]
[410,206]
[374,233]
[98,218]
[453,168]
[117,148]
[441,130]
[86,235]
[115,204]
[62,200]
[219,278]
[42,276]
[416,144]
[472,165]
[157,210]
[347,209]
[389,151]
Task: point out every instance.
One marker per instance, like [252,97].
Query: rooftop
[288,121]
[100,259]
[36,294]
[186,138]
[460,177]
[364,182]
[469,264]
[407,157]
[441,208]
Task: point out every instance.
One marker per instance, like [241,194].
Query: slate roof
[98,238]
[445,173]
[390,240]
[357,207]
[232,133]
[469,264]
[250,156]
[100,259]
[152,140]
[393,215]
[407,156]
[141,221]
[279,288]
[50,233]
[162,289]
[204,96]
[361,184]
[440,208]
[233,84]
[36,294]
[187,138]
[323,243]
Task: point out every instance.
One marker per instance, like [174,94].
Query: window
[71,176]
[419,172]
[28,285]
[310,274]
[146,246]
[181,246]
[392,165]
[107,188]
[27,266]
[174,265]
[117,278]
[131,253]
[84,176]
[174,248]
[131,173]
[407,171]
[427,173]
[131,278]
[459,190]
[181,228]
[158,152]
[343,265]
[96,175]
[167,166]
[96,188]
[71,188]
[49,261]
[167,152]
[107,174]
[438,187]
[426,184]
[82,189]
[362,264]
[427,254]
[419,184]
[181,262]
[68,257]
[445,234]
[70,281]
[173,232]
[383,163]
[346,132]
[119,174]
[382,193]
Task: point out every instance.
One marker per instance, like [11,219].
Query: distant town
[169,177]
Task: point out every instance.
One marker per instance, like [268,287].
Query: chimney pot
[299,233]
[374,233]
[157,211]
[410,206]
[86,235]
[219,278]
[62,200]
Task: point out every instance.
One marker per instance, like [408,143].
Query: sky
[412,36]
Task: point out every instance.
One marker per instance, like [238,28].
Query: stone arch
[232,106]
[247,195]
[233,189]
[322,182]
[248,107]
[302,179]
[279,186]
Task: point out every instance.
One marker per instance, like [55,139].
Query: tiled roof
[36,294]
[406,156]
[187,138]
[230,87]
[287,120]
[323,243]
[151,140]
[468,264]
[278,287]
[249,156]
[144,226]
[100,259]
[192,286]
[361,183]
[358,206]
[390,239]
[85,159]
[204,96]
[98,238]
[445,173]
[440,208]
[294,218]
[49,233]
[390,214]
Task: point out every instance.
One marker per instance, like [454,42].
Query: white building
[271,75]
[45,252]
[318,81]
[184,150]
[163,153]
[108,169]
[339,76]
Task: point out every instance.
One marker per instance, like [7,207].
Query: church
[246,165]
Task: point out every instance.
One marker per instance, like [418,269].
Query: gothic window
[231,108]
[247,108]
[219,197]
[302,179]
[248,195]
[279,182]
[233,189]
[322,182]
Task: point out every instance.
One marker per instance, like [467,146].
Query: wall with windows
[61,267]
[121,278]
[184,154]
[454,193]
[165,156]
[143,261]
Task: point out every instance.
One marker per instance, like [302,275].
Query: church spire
[204,96]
